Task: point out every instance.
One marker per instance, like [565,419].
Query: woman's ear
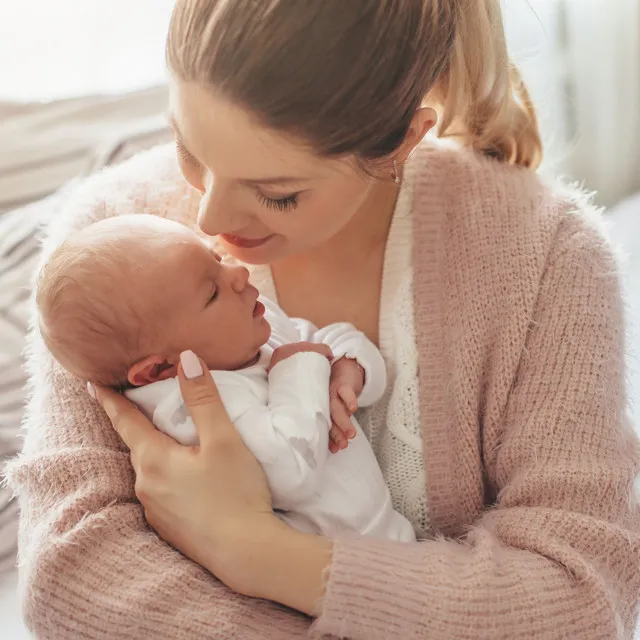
[151,369]
[423,121]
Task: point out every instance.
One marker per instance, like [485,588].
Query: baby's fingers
[341,419]
[348,396]
[337,439]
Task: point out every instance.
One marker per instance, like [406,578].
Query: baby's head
[120,300]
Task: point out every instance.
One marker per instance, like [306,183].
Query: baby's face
[195,301]
[123,298]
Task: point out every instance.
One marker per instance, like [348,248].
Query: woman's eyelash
[183,152]
[280,204]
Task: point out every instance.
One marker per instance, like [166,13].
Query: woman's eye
[184,154]
[189,166]
[279,204]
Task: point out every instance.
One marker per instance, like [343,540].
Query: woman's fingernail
[91,390]
[191,365]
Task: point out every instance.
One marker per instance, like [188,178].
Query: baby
[119,301]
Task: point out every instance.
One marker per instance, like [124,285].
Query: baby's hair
[347,76]
[85,331]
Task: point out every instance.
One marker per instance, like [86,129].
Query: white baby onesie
[283,418]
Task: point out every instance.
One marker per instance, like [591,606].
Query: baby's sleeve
[171,415]
[345,341]
[290,434]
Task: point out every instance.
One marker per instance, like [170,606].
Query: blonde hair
[348,76]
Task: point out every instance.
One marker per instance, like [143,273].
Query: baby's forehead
[150,251]
[188,252]
[179,267]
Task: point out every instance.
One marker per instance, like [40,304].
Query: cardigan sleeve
[558,556]
[91,568]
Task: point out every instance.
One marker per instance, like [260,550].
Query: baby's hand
[287,350]
[347,382]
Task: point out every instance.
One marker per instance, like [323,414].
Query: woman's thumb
[201,397]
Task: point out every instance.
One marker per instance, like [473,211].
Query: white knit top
[393,425]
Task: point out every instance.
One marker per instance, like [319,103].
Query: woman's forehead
[232,143]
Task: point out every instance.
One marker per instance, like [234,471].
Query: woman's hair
[347,76]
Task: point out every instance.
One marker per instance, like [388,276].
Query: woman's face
[264,194]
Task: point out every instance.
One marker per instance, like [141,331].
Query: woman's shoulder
[149,182]
[503,210]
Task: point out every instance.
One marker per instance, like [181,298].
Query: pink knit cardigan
[530,460]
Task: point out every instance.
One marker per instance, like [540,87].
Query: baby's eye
[214,295]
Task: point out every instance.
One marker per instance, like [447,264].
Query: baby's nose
[239,278]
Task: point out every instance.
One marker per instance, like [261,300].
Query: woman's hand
[212,502]
[207,500]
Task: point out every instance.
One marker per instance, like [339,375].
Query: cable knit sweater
[529,458]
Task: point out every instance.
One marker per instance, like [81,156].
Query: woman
[493,298]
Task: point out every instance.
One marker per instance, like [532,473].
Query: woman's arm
[559,555]
[90,565]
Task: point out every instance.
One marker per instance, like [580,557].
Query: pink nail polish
[191,365]
[91,391]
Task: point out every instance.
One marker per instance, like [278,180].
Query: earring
[394,175]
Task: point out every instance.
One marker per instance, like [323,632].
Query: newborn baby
[119,301]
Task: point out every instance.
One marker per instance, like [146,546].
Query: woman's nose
[216,213]
[239,278]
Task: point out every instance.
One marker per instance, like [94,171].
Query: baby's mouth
[258,309]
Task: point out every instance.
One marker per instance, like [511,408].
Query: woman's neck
[341,280]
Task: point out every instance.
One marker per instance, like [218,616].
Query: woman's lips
[245,243]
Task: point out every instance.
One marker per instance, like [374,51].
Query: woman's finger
[201,397]
[131,425]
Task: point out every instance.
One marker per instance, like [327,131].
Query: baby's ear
[151,369]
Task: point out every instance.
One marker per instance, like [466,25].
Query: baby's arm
[358,375]
[290,436]
[345,341]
